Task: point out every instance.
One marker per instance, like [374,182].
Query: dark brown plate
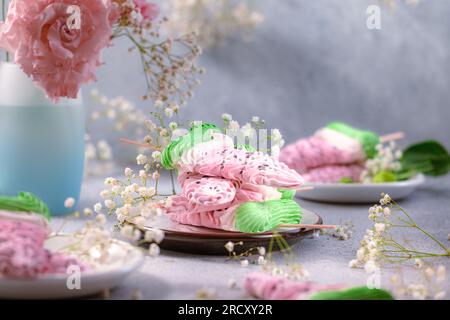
[199,240]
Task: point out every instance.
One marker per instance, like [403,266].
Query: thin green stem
[173,182]
[434,239]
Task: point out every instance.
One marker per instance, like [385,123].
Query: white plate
[359,192]
[124,259]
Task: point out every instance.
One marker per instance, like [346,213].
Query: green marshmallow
[253,217]
[287,194]
[368,139]
[25,202]
[197,134]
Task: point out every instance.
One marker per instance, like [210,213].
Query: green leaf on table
[357,293]
[428,157]
[25,202]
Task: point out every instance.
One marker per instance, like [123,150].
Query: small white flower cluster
[291,271]
[124,115]
[387,160]
[244,258]
[92,244]
[371,251]
[213,21]
[342,232]
[135,200]
[430,283]
[380,244]
[254,131]
[169,63]
[97,157]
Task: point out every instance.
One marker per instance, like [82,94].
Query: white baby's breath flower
[380,227]
[147,192]
[261,260]
[154,250]
[229,246]
[353,263]
[140,221]
[156,175]
[244,263]
[371,267]
[128,172]
[98,207]
[227,117]
[262,251]
[69,203]
[276,136]
[232,283]
[440,273]
[418,263]
[150,125]
[110,181]
[101,219]
[360,254]
[137,235]
[142,174]
[173,125]
[168,112]
[385,200]
[159,104]
[127,231]
[158,236]
[88,212]
[105,194]
[110,204]
[141,159]
[156,155]
[429,272]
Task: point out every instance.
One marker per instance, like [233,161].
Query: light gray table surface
[179,276]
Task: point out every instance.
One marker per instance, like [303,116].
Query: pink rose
[149,11]
[58,58]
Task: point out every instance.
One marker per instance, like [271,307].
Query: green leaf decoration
[253,217]
[346,180]
[287,194]
[368,139]
[25,202]
[428,157]
[198,133]
[357,293]
[384,176]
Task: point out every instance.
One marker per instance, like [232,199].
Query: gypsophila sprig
[384,165]
[254,133]
[134,200]
[169,63]
[428,283]
[213,21]
[343,231]
[381,243]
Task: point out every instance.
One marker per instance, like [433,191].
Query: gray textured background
[313,61]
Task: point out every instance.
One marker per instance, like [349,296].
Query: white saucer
[124,260]
[359,192]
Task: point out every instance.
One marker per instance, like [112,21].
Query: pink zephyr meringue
[263,286]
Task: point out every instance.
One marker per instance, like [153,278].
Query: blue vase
[41,143]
